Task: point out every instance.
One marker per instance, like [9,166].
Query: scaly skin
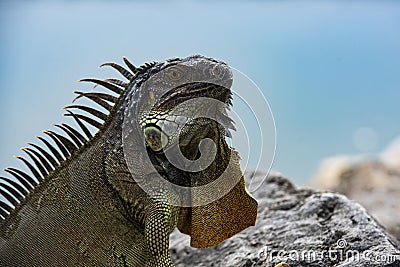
[90,211]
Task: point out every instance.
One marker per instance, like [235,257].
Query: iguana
[113,198]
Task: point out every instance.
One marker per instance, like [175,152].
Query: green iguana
[112,199]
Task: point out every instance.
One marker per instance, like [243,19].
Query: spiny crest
[145,67]
[43,161]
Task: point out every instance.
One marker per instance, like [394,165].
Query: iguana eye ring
[155,138]
[174,73]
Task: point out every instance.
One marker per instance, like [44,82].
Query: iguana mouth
[189,91]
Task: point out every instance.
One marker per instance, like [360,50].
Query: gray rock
[301,227]
[372,182]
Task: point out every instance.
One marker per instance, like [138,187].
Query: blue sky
[330,70]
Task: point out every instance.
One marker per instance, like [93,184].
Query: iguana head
[179,108]
[177,103]
[188,100]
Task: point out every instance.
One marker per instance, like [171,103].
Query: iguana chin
[97,200]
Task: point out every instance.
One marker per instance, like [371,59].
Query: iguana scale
[86,203]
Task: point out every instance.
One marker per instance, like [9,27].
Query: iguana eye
[155,138]
[174,73]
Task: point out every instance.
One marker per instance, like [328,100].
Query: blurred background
[330,70]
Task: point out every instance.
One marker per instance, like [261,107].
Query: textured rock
[374,183]
[301,227]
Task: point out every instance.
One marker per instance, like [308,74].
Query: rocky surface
[374,182]
[301,227]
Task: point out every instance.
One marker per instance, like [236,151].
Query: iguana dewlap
[113,199]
